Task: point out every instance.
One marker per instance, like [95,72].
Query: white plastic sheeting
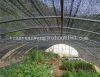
[63,50]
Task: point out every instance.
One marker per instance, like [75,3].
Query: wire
[38,10]
[55,10]
[75,14]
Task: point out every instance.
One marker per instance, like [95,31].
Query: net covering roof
[81,17]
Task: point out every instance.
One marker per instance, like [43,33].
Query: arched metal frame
[50,17]
[62,17]
[55,27]
[46,17]
[58,17]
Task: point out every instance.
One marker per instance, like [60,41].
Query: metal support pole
[62,15]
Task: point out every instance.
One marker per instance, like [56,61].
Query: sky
[87,7]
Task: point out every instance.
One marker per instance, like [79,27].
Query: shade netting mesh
[32,17]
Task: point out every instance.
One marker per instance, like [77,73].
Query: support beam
[62,15]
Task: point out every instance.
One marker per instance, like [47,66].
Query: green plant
[78,69]
[15,34]
[80,74]
[77,65]
[67,74]
[38,55]
[30,67]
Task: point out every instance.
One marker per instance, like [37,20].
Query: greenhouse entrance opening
[63,50]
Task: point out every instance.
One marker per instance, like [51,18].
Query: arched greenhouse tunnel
[50,18]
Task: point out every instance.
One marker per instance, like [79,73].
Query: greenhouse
[30,26]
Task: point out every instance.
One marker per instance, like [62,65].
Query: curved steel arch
[55,28]
[29,18]
[46,17]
